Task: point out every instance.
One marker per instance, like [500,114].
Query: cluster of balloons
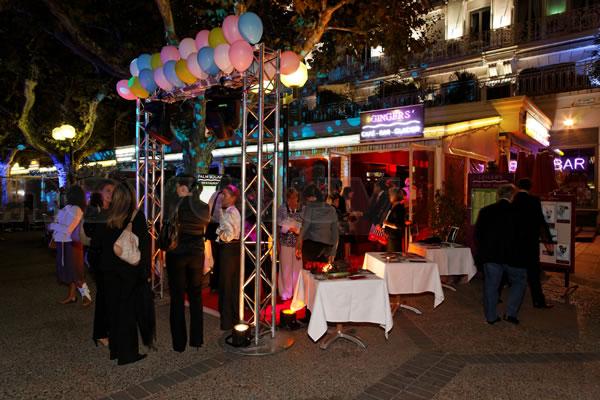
[223,49]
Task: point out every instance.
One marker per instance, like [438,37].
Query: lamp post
[294,81]
[61,134]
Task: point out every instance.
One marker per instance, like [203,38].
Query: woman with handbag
[394,222]
[185,263]
[126,267]
[228,240]
[69,250]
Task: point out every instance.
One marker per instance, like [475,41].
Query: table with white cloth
[406,276]
[340,301]
[451,259]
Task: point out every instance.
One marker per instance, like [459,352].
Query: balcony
[533,82]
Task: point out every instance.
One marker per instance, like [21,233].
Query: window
[556,7]
[480,23]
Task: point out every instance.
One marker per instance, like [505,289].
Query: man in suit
[531,226]
[379,204]
[495,250]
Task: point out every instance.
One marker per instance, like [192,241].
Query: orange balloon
[136,88]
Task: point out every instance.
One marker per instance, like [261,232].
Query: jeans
[517,278]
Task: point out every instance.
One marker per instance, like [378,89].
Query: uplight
[569,122]
[296,79]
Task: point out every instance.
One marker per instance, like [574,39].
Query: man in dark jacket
[531,226]
[379,204]
[495,251]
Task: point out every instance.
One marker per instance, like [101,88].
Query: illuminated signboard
[562,164]
[392,123]
[535,130]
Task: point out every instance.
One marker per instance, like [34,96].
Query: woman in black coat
[126,285]
[395,221]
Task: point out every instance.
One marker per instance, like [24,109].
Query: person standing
[228,240]
[319,236]
[215,209]
[379,204]
[95,215]
[290,222]
[185,264]
[394,221]
[531,227]
[495,249]
[69,254]
[122,281]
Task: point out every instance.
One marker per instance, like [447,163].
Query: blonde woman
[290,222]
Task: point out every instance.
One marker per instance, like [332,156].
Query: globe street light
[62,133]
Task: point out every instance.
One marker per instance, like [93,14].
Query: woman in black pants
[185,263]
[228,238]
[394,221]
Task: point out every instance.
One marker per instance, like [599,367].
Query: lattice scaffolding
[149,190]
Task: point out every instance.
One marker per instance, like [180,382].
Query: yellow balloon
[216,37]
[136,88]
[184,73]
[296,79]
[155,61]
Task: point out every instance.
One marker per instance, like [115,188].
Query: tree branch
[317,33]
[84,44]
[24,123]
[164,7]
[350,30]
[89,121]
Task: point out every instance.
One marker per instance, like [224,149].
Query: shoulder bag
[127,245]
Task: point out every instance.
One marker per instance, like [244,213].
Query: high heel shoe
[68,300]
[86,301]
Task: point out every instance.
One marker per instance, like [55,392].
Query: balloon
[155,61]
[230,29]
[186,47]
[206,59]
[296,79]
[250,27]
[123,90]
[241,55]
[194,67]
[202,39]
[144,61]
[169,53]
[136,88]
[171,74]
[133,68]
[161,80]
[270,70]
[289,62]
[222,57]
[147,80]
[215,37]
[183,73]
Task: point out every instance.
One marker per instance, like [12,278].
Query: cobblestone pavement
[447,353]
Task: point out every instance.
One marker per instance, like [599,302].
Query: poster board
[559,213]
[482,191]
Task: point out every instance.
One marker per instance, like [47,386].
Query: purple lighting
[392,123]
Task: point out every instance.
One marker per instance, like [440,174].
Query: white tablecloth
[450,260]
[342,300]
[407,277]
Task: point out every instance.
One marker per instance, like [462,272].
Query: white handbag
[127,245]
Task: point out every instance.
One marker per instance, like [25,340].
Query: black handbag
[211,228]
[168,239]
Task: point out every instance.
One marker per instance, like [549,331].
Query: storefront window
[576,175]
[422,187]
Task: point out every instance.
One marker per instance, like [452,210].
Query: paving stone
[212,363]
[223,357]
[378,393]
[438,377]
[408,396]
[151,387]
[426,394]
[443,372]
[190,372]
[137,392]
[409,374]
[122,395]
[364,396]
[386,388]
[165,381]
[393,381]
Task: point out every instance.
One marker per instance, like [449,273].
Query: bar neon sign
[560,164]
[392,123]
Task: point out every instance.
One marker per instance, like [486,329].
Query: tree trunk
[63,168]
[5,166]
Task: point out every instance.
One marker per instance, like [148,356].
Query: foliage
[327,97]
[447,212]
[594,69]
[462,87]
[395,86]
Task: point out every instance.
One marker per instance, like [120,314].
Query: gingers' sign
[392,123]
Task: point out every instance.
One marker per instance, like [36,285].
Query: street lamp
[62,133]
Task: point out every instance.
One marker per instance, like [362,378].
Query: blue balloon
[147,80]
[206,60]
[171,75]
[250,27]
[144,61]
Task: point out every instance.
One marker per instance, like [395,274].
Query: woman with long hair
[394,220]
[228,239]
[95,215]
[69,254]
[124,282]
[185,263]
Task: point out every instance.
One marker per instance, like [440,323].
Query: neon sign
[392,123]
[570,164]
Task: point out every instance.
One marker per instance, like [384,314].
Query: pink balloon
[169,53]
[222,58]
[161,79]
[123,90]
[241,55]
[230,29]
[289,62]
[194,67]
[186,47]
[270,70]
[202,39]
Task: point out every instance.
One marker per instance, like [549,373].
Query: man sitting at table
[495,244]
